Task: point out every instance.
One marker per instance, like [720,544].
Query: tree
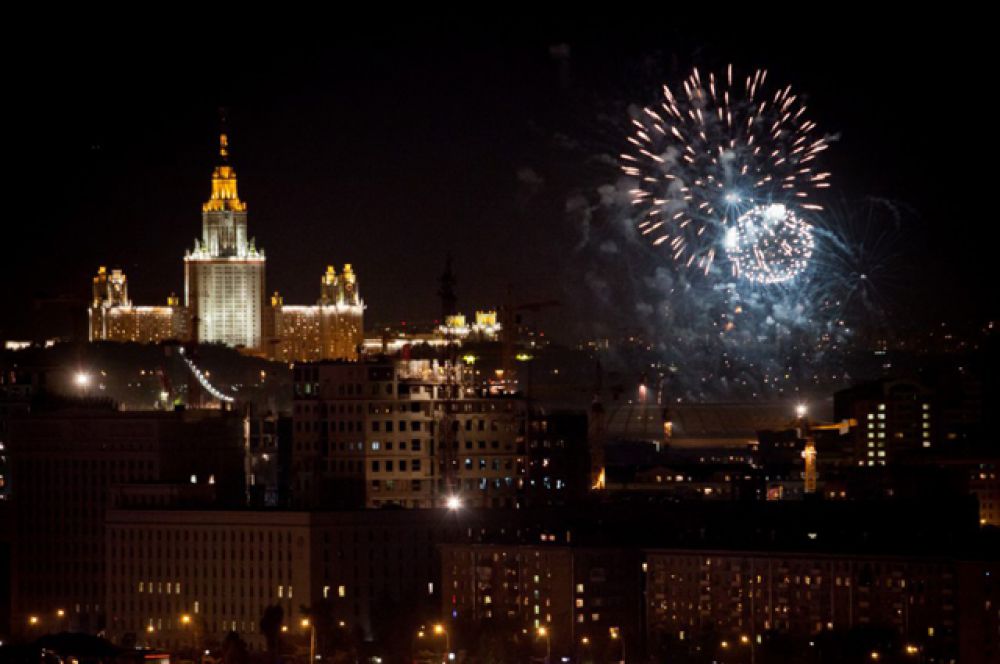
[270,627]
[234,649]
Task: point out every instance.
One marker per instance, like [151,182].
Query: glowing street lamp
[307,624]
[544,633]
[82,380]
[439,630]
[453,503]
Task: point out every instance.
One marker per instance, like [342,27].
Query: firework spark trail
[769,244]
[713,149]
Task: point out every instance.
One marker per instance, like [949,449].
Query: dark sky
[389,146]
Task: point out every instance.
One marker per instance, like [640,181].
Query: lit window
[341,591]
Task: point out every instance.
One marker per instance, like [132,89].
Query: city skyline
[367,150]
[678,340]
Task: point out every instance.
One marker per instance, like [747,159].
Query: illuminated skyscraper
[224,273]
[224,295]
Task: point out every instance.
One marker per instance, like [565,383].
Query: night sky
[390,147]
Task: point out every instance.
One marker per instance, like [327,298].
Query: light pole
[186,622]
[545,634]
[440,630]
[312,639]
[616,636]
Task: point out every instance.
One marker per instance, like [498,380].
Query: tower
[224,273]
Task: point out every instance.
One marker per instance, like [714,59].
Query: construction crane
[810,474]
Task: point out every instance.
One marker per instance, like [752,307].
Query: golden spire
[224,194]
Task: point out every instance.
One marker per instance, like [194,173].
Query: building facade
[220,569]
[331,329]
[224,273]
[410,433]
[224,295]
[586,599]
[893,418]
[64,465]
[113,316]
[733,602]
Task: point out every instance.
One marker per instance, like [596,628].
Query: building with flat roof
[408,433]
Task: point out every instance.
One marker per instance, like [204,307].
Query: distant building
[330,329]
[113,316]
[893,418]
[410,433]
[558,459]
[224,295]
[268,460]
[222,568]
[64,466]
[224,273]
[716,601]
[456,330]
[588,599]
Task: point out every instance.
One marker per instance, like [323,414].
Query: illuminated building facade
[224,301]
[586,598]
[741,599]
[224,273]
[455,330]
[331,329]
[894,417]
[220,568]
[407,433]
[112,316]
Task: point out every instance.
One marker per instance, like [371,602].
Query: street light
[439,630]
[544,633]
[32,620]
[616,635]
[306,623]
[453,503]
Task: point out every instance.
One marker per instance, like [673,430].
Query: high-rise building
[584,601]
[224,301]
[934,607]
[224,273]
[411,433]
[893,418]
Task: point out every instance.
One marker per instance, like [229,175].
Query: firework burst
[768,244]
[703,157]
